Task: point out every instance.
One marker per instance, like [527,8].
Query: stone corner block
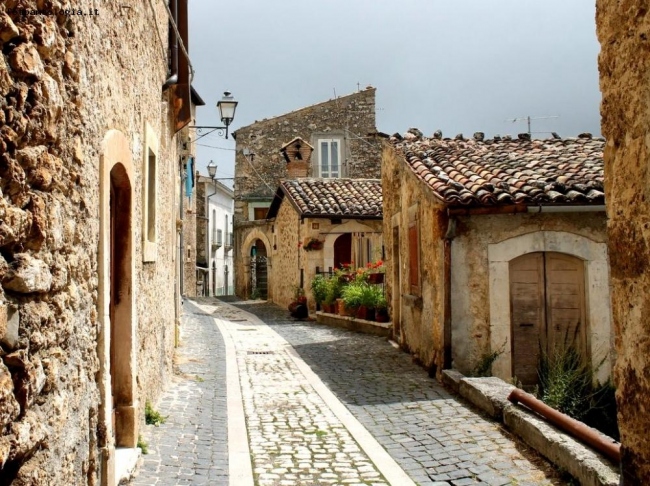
[488,394]
[451,379]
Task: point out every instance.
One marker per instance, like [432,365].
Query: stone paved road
[435,437]
[294,437]
[191,447]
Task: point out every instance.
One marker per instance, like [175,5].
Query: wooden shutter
[527,311]
[260,213]
[414,260]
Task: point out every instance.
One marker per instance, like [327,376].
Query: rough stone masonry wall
[355,112]
[624,63]
[421,317]
[202,252]
[64,82]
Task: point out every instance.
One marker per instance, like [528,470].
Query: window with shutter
[414,260]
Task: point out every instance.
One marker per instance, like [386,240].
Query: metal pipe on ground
[573,427]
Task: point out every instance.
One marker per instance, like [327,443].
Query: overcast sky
[457,65]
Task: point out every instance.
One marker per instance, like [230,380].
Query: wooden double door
[547,308]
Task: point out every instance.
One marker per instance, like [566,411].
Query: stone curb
[353,324]
[491,396]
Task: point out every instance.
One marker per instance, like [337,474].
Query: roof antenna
[529,118]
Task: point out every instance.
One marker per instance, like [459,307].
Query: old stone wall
[417,318]
[202,253]
[287,257]
[473,288]
[351,117]
[189,242]
[65,81]
[624,64]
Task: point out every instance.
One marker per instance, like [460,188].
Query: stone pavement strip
[322,406]
[191,447]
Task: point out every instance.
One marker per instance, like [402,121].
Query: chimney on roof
[585,135]
[297,154]
[479,136]
[437,134]
[524,136]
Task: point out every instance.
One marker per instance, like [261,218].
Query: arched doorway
[343,249]
[120,309]
[548,315]
[259,270]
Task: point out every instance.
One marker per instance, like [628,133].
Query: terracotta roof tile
[503,171]
[335,198]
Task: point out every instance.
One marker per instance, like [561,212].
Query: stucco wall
[70,81]
[477,282]
[624,65]
[420,318]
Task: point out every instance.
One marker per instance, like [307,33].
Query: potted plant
[319,290]
[332,292]
[351,296]
[312,244]
[381,309]
[368,298]
[376,272]
[345,274]
[298,308]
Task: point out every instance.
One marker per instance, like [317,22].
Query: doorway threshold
[126,460]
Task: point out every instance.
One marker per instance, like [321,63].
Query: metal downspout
[173,79]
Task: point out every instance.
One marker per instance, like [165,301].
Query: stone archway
[243,262]
[596,276]
[116,349]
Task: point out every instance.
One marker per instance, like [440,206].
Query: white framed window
[329,158]
[150,196]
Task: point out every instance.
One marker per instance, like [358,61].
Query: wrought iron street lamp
[227,107]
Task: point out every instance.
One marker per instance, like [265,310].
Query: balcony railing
[229,242]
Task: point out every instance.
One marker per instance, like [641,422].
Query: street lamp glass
[227,106]
[212,169]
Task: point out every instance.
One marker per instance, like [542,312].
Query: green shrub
[142,444]
[151,416]
[381,302]
[333,290]
[566,384]
[370,294]
[319,288]
[352,294]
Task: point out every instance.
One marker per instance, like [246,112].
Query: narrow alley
[316,406]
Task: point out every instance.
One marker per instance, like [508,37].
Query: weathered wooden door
[547,308]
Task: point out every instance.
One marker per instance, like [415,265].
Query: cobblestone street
[322,406]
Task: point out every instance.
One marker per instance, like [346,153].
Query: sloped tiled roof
[333,198]
[504,171]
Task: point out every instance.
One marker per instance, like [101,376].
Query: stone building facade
[343,215]
[497,246]
[345,143]
[214,238]
[624,65]
[89,198]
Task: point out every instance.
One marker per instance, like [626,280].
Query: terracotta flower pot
[342,310]
[381,315]
[362,312]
